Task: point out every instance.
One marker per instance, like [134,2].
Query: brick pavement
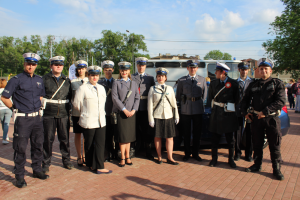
[148,180]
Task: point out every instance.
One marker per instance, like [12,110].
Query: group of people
[116,114]
[293,91]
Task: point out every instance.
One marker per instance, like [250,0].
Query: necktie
[193,79]
[141,76]
[222,83]
[95,88]
[81,81]
[108,82]
[162,86]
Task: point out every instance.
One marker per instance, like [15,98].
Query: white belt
[219,104]
[34,114]
[274,113]
[143,97]
[58,101]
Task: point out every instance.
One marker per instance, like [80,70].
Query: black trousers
[239,139]
[62,126]
[271,127]
[197,128]
[94,146]
[25,128]
[143,135]
[215,143]
[109,136]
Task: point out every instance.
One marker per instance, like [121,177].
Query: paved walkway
[148,180]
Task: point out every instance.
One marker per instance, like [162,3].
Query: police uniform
[144,82]
[268,97]
[244,125]
[56,115]
[191,93]
[26,92]
[107,84]
[223,95]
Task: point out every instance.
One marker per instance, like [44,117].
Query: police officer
[56,114]
[27,90]
[244,125]
[144,82]
[107,82]
[268,97]
[191,92]
[223,95]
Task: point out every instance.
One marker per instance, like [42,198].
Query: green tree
[217,55]
[284,50]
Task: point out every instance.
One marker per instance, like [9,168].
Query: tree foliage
[217,55]
[113,46]
[284,50]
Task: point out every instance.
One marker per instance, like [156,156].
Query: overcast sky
[182,20]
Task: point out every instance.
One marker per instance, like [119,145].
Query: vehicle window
[211,71]
[167,64]
[201,65]
[150,64]
[234,72]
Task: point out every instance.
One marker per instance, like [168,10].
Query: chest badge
[228,85]
[199,83]
[38,83]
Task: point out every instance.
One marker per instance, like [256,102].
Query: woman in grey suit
[126,99]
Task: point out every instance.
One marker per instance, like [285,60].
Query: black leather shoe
[171,162]
[45,169]
[150,157]
[40,175]
[127,163]
[186,158]
[198,158]
[231,163]
[278,174]
[237,157]
[120,165]
[249,159]
[254,168]
[159,161]
[68,166]
[21,183]
[213,162]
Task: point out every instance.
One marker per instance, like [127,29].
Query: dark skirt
[76,127]
[125,128]
[164,128]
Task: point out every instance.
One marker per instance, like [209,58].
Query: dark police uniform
[221,121]
[267,96]
[145,82]
[109,139]
[56,118]
[191,93]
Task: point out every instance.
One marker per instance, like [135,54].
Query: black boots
[230,158]
[21,183]
[214,154]
[254,168]
[276,171]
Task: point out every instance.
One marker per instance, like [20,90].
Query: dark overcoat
[221,121]
[109,102]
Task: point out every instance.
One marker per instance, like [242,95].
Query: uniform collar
[192,76]
[124,80]
[247,78]
[109,79]
[28,74]
[224,80]
[143,74]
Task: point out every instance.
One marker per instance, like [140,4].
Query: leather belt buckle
[59,101]
[193,99]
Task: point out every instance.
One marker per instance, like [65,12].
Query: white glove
[176,121]
[152,124]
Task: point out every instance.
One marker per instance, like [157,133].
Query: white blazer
[91,106]
[164,109]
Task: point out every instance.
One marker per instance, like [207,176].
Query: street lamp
[132,52]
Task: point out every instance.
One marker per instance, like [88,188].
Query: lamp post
[132,52]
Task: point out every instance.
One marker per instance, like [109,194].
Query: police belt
[271,114]
[193,98]
[34,114]
[57,101]
[143,97]
[219,104]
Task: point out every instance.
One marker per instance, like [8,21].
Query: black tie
[141,76]
[162,86]
[193,79]
[95,88]
[108,82]
[81,81]
[222,83]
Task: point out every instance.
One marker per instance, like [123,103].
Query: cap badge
[228,85]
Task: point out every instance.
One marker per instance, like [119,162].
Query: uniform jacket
[164,109]
[91,106]
[196,89]
[51,85]
[109,102]
[75,84]
[242,90]
[144,85]
[221,121]
[119,92]
[267,96]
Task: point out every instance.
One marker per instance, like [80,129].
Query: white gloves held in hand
[152,124]
[176,121]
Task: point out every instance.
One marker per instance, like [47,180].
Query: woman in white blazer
[90,101]
[161,110]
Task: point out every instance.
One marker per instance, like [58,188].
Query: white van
[177,68]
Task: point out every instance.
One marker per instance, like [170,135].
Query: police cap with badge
[192,63]
[141,61]
[124,65]
[57,60]
[222,66]
[94,70]
[80,64]
[107,64]
[31,58]
[243,65]
[161,71]
[265,62]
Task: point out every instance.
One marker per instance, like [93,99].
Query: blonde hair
[3,83]
[207,79]
[292,80]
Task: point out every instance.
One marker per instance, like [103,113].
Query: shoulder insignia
[15,76]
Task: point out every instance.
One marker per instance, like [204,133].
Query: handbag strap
[58,89]
[128,93]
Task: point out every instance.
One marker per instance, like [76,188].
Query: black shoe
[68,166]
[120,165]
[21,183]
[79,164]
[213,162]
[159,161]
[149,157]
[237,157]
[198,158]
[277,173]
[232,163]
[186,158]
[108,159]
[127,162]
[249,159]
[40,175]
[254,168]
[171,162]
[45,169]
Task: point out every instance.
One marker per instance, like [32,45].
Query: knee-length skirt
[164,128]
[125,128]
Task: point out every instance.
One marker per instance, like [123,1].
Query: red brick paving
[147,180]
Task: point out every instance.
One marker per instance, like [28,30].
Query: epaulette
[39,76]
[277,79]
[18,75]
[182,78]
